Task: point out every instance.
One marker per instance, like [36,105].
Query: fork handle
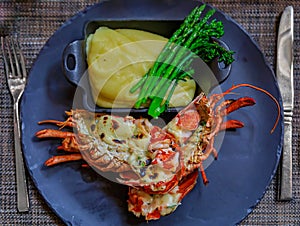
[22,194]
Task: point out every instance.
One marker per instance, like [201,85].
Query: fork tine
[14,60]
[4,57]
[13,57]
[11,62]
[17,51]
[22,60]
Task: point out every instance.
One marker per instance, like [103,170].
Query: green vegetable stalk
[194,38]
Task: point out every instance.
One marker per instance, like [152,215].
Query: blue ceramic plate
[238,179]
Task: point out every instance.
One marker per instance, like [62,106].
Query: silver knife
[285,79]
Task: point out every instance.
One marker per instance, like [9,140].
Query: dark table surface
[36,21]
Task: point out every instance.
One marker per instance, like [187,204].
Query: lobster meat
[156,163]
[152,207]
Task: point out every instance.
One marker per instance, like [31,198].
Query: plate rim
[230,20]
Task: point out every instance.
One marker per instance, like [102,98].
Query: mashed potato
[118,59]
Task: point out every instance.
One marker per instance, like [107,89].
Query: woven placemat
[36,21]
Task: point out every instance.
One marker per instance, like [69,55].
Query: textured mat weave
[36,21]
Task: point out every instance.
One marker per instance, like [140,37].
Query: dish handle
[74,63]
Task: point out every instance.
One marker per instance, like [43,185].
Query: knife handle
[286,166]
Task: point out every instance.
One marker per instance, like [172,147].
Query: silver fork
[16,79]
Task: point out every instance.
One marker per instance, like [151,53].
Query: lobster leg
[217,97]
[69,144]
[63,158]
[69,122]
[239,103]
[203,174]
[231,124]
[225,108]
[46,133]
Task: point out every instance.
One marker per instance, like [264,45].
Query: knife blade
[284,72]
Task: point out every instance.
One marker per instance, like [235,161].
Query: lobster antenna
[263,91]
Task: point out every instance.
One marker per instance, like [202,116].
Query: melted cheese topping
[165,203]
[116,137]
[127,140]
